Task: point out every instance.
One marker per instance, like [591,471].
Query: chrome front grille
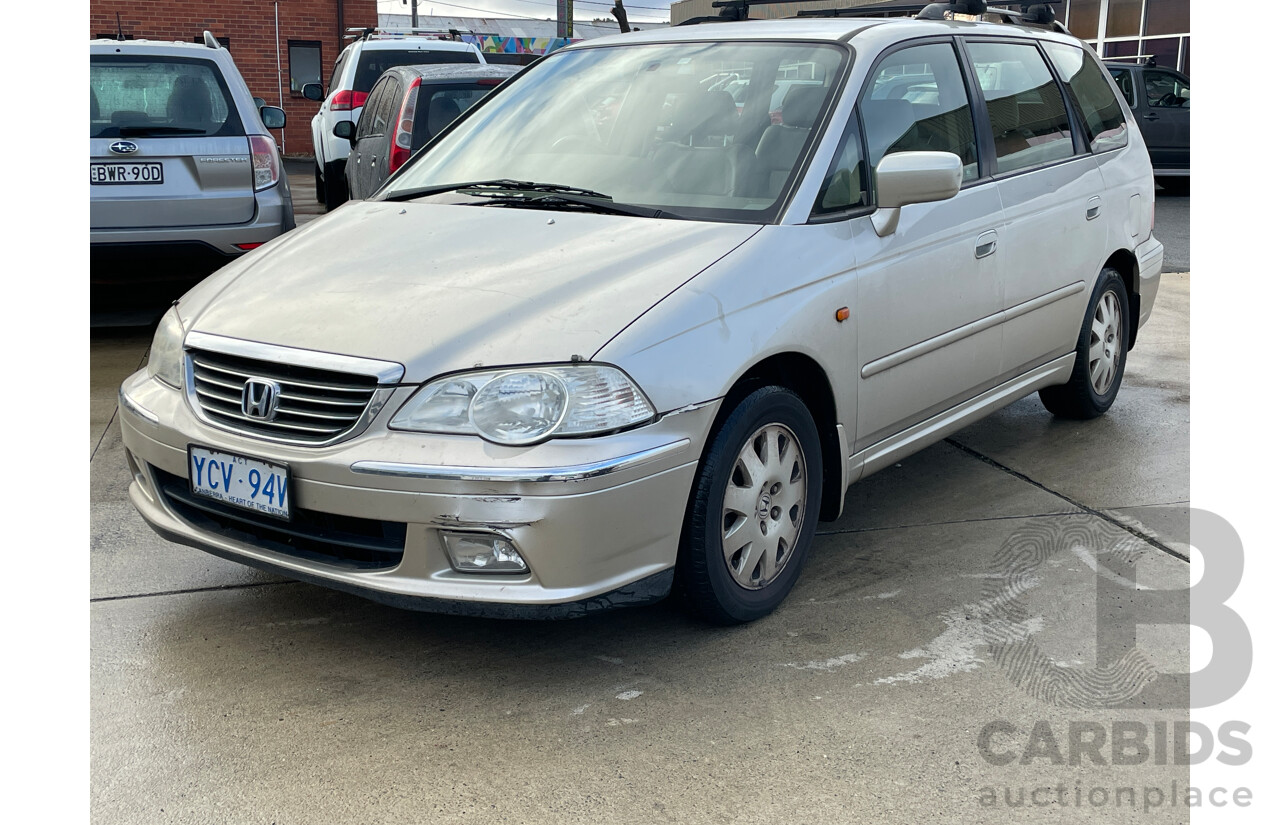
[320,400]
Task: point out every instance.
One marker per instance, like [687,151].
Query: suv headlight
[527,405]
[165,359]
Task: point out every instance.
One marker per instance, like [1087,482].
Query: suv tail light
[402,145]
[347,100]
[266,162]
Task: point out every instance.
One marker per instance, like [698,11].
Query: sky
[638,11]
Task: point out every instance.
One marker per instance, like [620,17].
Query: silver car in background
[183,174]
[614,331]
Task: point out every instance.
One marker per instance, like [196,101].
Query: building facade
[1115,28]
[278,45]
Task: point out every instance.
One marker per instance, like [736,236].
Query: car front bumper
[597,520]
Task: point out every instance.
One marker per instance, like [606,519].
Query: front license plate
[123,173]
[250,483]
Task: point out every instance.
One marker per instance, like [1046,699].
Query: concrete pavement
[222,694]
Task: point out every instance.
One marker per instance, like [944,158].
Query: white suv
[355,71]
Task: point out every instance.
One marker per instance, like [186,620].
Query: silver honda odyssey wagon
[619,330]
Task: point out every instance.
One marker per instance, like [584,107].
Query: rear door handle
[986,245]
[1093,209]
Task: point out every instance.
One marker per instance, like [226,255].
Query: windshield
[651,125]
[140,96]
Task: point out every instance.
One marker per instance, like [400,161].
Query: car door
[369,131]
[1052,192]
[928,294]
[379,164]
[1166,117]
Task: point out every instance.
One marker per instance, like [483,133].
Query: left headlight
[527,405]
[165,359]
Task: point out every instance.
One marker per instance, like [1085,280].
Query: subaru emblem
[123,147]
[259,398]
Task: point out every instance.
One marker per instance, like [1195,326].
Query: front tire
[1101,352]
[319,185]
[753,510]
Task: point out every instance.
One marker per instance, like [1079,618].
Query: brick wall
[250,25]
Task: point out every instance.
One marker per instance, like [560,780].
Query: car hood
[439,287]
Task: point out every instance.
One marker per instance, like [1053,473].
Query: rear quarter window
[438,106]
[1102,112]
[158,96]
[374,62]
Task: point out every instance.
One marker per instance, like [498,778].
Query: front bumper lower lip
[575,472]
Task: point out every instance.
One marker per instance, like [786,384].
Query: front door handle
[1151,116]
[986,245]
[1093,209]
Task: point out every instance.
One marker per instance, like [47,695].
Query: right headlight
[527,405]
[164,361]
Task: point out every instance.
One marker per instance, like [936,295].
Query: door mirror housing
[904,178]
[313,91]
[345,129]
[272,117]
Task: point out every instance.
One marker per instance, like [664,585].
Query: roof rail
[1029,14]
[371,33]
[1146,59]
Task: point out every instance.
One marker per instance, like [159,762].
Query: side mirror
[345,129]
[272,117]
[904,178]
[259,102]
[313,91]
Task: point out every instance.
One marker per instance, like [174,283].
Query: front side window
[1165,90]
[137,96]
[652,125]
[917,103]
[1025,109]
[304,64]
[845,186]
[1104,120]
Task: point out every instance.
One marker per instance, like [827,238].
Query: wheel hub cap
[1104,347]
[764,506]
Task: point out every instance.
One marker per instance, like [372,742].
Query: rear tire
[335,184]
[753,509]
[1101,352]
[1175,186]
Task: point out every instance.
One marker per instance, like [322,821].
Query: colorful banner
[517,45]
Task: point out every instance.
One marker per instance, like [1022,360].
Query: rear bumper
[1150,262]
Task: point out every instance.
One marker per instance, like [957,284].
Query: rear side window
[1103,113]
[370,123]
[373,62]
[1124,79]
[917,103]
[438,106]
[1027,115]
[144,96]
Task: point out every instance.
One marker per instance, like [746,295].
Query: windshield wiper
[138,131]
[497,184]
[557,200]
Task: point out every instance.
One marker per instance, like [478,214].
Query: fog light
[483,553]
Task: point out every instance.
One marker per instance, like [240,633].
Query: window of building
[1082,18]
[1168,17]
[1124,18]
[304,64]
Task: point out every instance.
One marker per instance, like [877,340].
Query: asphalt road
[1173,228]
[224,695]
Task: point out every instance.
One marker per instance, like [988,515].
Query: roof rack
[370,33]
[1029,14]
[1146,59]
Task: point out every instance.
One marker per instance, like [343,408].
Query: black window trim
[319,47]
[989,142]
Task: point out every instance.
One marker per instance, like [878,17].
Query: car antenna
[119,28]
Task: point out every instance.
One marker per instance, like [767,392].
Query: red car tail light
[347,100]
[402,144]
[266,162]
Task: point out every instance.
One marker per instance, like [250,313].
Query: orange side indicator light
[842,315]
